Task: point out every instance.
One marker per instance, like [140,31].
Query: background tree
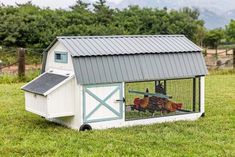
[200,35]
[230,31]
[30,26]
[213,38]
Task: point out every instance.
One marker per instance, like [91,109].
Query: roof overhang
[47,82]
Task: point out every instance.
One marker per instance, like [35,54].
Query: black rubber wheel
[85,127]
[203,114]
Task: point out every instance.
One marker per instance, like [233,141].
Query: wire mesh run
[161,98]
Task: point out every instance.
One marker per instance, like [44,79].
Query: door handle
[122,100]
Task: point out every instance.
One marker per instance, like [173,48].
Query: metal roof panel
[128,68]
[133,44]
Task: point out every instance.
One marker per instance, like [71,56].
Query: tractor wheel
[85,127]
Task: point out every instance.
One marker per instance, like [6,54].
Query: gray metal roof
[138,67]
[133,44]
[44,83]
[109,59]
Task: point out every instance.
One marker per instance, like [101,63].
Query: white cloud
[52,3]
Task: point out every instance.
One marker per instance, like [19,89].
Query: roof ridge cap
[120,36]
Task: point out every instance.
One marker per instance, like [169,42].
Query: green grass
[13,78]
[26,134]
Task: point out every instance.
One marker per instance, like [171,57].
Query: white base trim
[122,123]
[185,117]
[50,116]
[61,115]
[35,112]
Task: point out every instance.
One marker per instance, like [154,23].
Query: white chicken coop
[98,82]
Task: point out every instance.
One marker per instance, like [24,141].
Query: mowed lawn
[26,134]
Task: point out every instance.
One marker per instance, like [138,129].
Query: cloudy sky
[51,3]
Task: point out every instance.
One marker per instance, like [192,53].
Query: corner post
[194,94]
[234,58]
[202,95]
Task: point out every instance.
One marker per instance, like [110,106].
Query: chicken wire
[180,91]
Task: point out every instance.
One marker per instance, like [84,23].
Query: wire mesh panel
[185,91]
[161,98]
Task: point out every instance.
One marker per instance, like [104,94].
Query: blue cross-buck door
[102,102]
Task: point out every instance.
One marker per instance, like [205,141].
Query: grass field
[26,134]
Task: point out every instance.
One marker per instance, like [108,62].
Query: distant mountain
[230,14]
[213,20]
[215,13]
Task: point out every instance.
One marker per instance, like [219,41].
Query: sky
[51,3]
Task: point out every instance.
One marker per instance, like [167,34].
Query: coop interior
[161,98]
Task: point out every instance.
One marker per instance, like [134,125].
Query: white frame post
[202,95]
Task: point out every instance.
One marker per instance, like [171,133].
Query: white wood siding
[51,64]
[36,104]
[77,120]
[61,101]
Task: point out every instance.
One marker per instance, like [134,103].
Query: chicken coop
[98,82]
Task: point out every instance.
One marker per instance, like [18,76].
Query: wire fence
[9,59]
[7,66]
[215,59]
[219,59]
[8,56]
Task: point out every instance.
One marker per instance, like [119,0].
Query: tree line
[27,25]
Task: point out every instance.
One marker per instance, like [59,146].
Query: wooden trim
[62,60]
[102,102]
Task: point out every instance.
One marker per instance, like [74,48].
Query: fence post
[21,62]
[234,58]
[216,53]
[205,54]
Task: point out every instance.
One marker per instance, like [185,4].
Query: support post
[156,84]
[199,94]
[234,58]
[165,86]
[194,94]
[202,95]
[21,62]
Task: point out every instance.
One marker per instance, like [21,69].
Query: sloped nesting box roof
[44,83]
[108,59]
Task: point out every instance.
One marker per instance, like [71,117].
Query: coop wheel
[85,127]
[203,114]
